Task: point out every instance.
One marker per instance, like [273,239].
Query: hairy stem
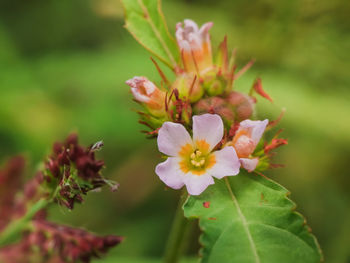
[180,230]
[12,231]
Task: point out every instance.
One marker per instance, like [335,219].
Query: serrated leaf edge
[293,210]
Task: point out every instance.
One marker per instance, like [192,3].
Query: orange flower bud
[147,93]
[195,46]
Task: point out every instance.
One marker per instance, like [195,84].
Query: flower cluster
[10,182]
[72,170]
[49,242]
[69,172]
[201,101]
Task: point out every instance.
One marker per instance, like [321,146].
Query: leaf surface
[145,21]
[250,219]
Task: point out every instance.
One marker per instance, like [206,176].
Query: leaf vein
[156,32]
[244,222]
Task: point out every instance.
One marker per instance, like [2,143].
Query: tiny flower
[147,93]
[245,141]
[195,46]
[192,161]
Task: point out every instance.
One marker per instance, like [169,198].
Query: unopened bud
[147,93]
[213,83]
[242,104]
[195,46]
[215,105]
[188,87]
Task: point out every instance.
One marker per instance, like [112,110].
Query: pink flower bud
[145,92]
[248,136]
[245,141]
[195,46]
[215,105]
[243,104]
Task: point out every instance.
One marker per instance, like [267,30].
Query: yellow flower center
[196,159]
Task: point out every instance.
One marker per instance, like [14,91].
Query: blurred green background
[62,68]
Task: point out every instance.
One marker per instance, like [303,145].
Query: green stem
[16,227]
[180,230]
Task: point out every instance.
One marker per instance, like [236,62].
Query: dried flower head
[50,242]
[71,171]
[10,182]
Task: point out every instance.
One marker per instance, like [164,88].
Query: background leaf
[145,21]
[249,219]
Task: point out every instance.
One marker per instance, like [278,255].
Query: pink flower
[144,91]
[195,46]
[245,141]
[192,161]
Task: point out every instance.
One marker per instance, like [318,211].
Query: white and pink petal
[255,128]
[172,137]
[208,127]
[170,173]
[204,31]
[227,163]
[196,184]
[249,164]
[190,26]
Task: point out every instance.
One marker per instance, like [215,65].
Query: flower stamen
[197,159]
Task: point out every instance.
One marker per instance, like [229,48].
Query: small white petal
[138,82]
[184,45]
[171,137]
[141,88]
[227,163]
[196,184]
[139,96]
[195,41]
[170,173]
[249,164]
[179,32]
[204,31]
[208,127]
[190,25]
[256,128]
[149,87]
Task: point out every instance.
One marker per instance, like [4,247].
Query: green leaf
[249,219]
[145,21]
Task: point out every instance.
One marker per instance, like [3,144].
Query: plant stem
[178,236]
[16,227]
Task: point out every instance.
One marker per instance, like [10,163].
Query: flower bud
[213,83]
[242,104]
[195,46]
[215,105]
[188,87]
[248,136]
[145,92]
[235,107]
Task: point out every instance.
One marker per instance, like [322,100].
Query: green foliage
[249,219]
[302,59]
[145,21]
